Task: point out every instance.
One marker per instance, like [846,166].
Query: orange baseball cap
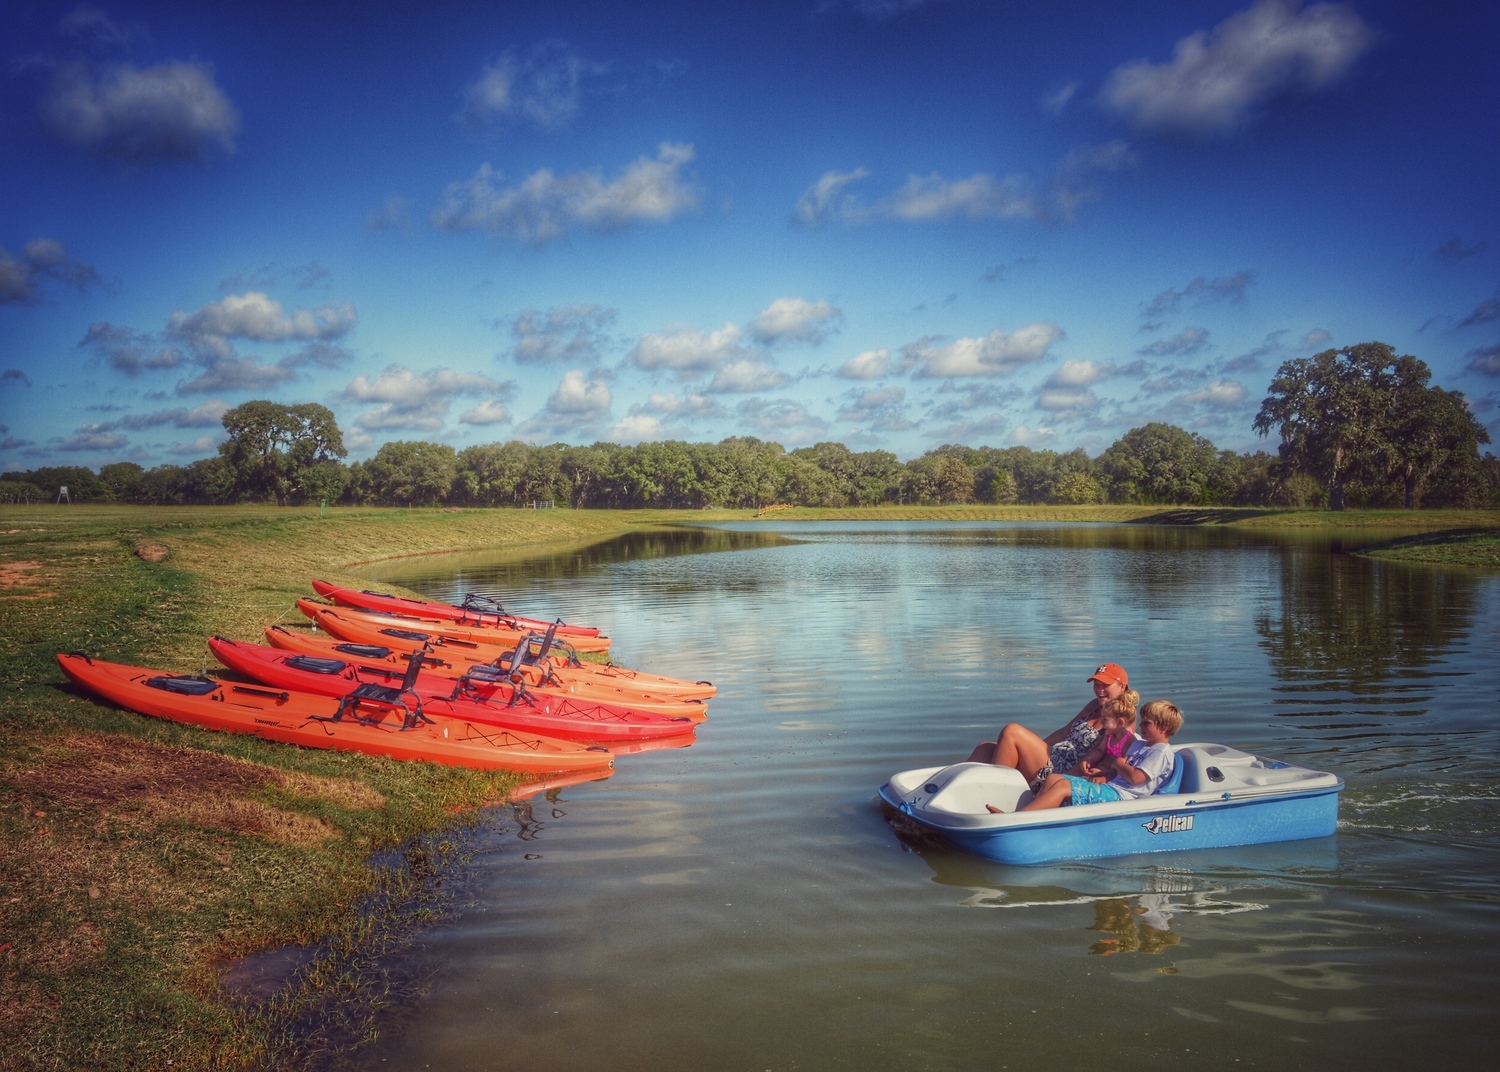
[1111,674]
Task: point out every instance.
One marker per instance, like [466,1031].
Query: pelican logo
[1169,824]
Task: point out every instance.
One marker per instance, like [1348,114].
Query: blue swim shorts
[1087,792]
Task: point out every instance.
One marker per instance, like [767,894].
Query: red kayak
[475,610]
[376,721]
[479,699]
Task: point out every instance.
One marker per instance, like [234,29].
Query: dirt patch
[150,552]
[124,776]
[18,580]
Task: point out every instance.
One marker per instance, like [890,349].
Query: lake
[745,904]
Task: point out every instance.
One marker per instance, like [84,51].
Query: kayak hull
[304,719]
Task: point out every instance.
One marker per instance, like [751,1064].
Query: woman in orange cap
[1037,757]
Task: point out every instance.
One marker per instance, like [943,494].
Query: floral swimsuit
[1067,752]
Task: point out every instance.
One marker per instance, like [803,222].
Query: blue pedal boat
[1215,797]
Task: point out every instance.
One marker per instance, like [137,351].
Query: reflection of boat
[1216,796]
[550,782]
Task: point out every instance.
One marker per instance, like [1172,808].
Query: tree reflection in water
[1352,625]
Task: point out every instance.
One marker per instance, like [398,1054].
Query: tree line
[1358,427]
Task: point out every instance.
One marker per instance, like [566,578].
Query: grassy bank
[140,857]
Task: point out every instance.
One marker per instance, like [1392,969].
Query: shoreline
[145,856]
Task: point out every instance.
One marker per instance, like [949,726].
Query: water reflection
[753,876]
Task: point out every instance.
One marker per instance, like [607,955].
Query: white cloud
[578,405]
[172,111]
[96,437]
[782,421]
[543,88]
[929,198]
[231,372]
[1201,291]
[197,448]
[637,428]
[687,351]
[205,415]
[394,214]
[795,320]
[420,400]
[97,30]
[41,258]
[1221,394]
[979,197]
[882,408]
[1186,341]
[1315,338]
[1025,436]
[827,200]
[567,333]
[1064,402]
[1056,102]
[693,404]
[255,316]
[747,375]
[995,354]
[544,206]
[489,411]
[1484,359]
[969,431]
[875,10]
[869,365]
[1215,79]
[1077,373]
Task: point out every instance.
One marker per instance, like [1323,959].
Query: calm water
[744,904]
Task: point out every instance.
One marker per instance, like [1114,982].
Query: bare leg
[984,752]
[1018,747]
[1055,793]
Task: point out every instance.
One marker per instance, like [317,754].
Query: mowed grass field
[139,858]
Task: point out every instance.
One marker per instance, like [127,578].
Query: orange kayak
[351,725]
[548,679]
[475,610]
[449,630]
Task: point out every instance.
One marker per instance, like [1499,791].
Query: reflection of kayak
[598,681]
[547,783]
[1216,796]
[495,702]
[475,610]
[371,726]
[432,627]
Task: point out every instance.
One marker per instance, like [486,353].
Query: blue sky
[891,223]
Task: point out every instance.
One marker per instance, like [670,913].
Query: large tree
[1160,463]
[1429,429]
[277,450]
[1332,411]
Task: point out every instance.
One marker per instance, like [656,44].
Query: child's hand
[1089,770]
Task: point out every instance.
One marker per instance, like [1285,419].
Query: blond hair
[1123,707]
[1166,716]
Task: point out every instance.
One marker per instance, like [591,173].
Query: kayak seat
[388,696]
[316,664]
[364,651]
[187,684]
[406,634]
